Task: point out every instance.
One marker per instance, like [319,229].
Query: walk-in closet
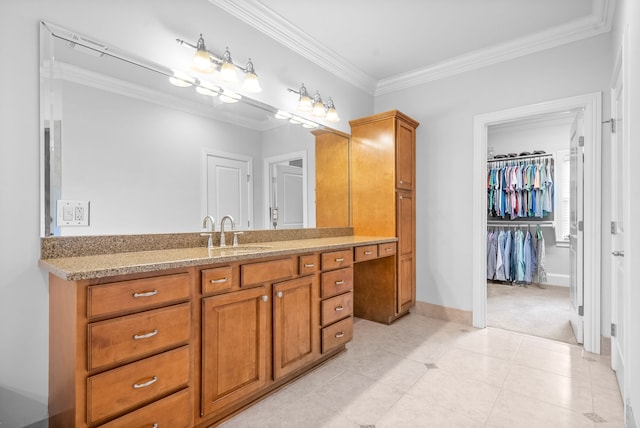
[529,262]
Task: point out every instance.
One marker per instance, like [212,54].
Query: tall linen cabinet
[383,191]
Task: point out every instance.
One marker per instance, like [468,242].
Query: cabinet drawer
[137,294]
[387,249]
[336,308]
[365,252]
[337,334]
[309,264]
[217,280]
[266,272]
[172,411]
[137,335]
[336,282]
[128,386]
[337,259]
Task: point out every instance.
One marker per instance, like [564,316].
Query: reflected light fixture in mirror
[205,61]
[315,105]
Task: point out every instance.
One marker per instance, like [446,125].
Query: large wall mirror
[126,152]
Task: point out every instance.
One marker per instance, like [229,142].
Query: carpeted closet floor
[542,312]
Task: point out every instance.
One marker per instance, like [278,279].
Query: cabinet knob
[401,182]
[279,294]
[265,298]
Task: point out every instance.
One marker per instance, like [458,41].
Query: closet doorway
[587,313]
[532,260]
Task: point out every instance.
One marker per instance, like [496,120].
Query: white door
[576,231]
[228,188]
[289,197]
[619,291]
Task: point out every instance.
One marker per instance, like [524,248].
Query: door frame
[592,105]
[620,75]
[266,180]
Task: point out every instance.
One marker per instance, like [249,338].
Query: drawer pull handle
[146,335]
[340,259]
[339,335]
[309,265]
[339,308]
[219,281]
[341,282]
[145,384]
[279,294]
[368,253]
[388,249]
[145,294]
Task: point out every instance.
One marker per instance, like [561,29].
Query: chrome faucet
[210,234]
[223,242]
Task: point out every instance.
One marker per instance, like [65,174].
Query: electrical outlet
[72,213]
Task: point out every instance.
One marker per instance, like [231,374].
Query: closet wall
[540,133]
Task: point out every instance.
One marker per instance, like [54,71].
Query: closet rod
[521,223]
[517,158]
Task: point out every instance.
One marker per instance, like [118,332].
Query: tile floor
[423,372]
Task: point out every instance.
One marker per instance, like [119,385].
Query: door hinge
[581,226]
[614,227]
[581,310]
[581,141]
[614,330]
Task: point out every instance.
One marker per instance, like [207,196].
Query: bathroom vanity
[188,336]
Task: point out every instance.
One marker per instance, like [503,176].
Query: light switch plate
[72,213]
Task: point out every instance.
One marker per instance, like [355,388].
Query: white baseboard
[558,279]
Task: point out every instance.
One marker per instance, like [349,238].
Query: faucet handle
[235,238]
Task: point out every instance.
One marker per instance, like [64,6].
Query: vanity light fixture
[315,104]
[296,120]
[206,61]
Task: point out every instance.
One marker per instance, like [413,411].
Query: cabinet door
[405,155]
[406,248]
[234,338]
[296,331]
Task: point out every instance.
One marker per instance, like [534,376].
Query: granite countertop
[105,265]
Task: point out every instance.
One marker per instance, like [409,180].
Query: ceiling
[384,46]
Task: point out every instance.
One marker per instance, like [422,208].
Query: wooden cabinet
[119,347]
[234,347]
[189,347]
[296,341]
[383,204]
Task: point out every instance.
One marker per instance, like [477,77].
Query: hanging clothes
[520,188]
[541,277]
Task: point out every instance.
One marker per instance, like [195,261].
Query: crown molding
[260,17]
[599,22]
[263,19]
